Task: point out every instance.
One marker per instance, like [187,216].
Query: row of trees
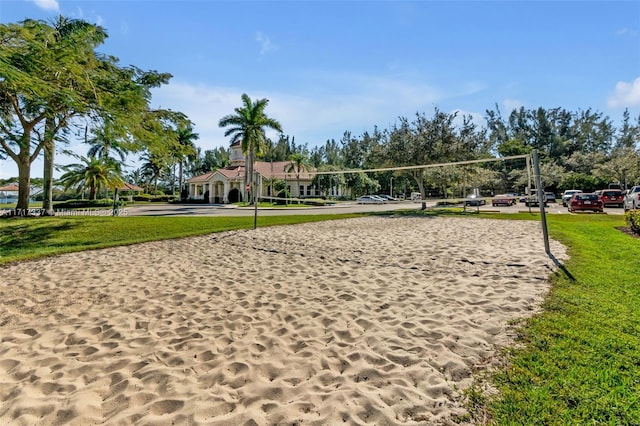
[578,149]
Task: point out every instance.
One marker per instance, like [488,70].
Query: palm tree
[152,167]
[104,143]
[299,163]
[93,174]
[184,149]
[247,126]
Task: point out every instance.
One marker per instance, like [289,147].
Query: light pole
[391,187]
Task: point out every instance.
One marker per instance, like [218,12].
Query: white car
[369,199]
[632,199]
[566,195]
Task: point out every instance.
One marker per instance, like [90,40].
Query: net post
[542,200]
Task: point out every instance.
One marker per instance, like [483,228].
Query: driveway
[344,207]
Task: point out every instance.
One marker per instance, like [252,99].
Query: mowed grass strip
[580,362]
[31,238]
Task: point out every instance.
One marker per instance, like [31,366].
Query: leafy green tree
[93,173]
[247,127]
[629,134]
[212,159]
[52,74]
[623,166]
[429,141]
[362,184]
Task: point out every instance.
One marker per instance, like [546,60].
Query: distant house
[226,185]
[8,193]
[130,187]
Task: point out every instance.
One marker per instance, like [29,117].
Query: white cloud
[627,32]
[625,95]
[511,104]
[325,109]
[265,43]
[47,4]
[90,17]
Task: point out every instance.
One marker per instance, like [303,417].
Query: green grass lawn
[578,362]
[581,358]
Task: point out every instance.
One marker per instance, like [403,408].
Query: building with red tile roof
[227,185]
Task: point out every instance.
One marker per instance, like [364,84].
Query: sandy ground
[378,321]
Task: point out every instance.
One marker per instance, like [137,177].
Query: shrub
[632,217]
[142,197]
[314,202]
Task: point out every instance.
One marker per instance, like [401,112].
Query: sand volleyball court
[369,321]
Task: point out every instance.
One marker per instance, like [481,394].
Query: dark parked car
[612,197]
[585,201]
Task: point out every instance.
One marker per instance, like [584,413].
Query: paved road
[346,207]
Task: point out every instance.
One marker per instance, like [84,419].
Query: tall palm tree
[104,143]
[93,174]
[152,167]
[247,126]
[298,163]
[185,149]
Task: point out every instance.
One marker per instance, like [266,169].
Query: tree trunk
[180,183]
[92,192]
[419,177]
[24,185]
[250,178]
[49,153]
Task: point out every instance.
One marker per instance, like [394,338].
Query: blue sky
[331,66]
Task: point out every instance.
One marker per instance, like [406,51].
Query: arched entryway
[235,196]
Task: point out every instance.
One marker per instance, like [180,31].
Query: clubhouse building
[227,185]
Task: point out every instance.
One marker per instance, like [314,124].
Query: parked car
[474,200]
[550,197]
[387,197]
[566,195]
[532,201]
[612,197]
[369,199]
[631,201]
[585,201]
[504,200]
